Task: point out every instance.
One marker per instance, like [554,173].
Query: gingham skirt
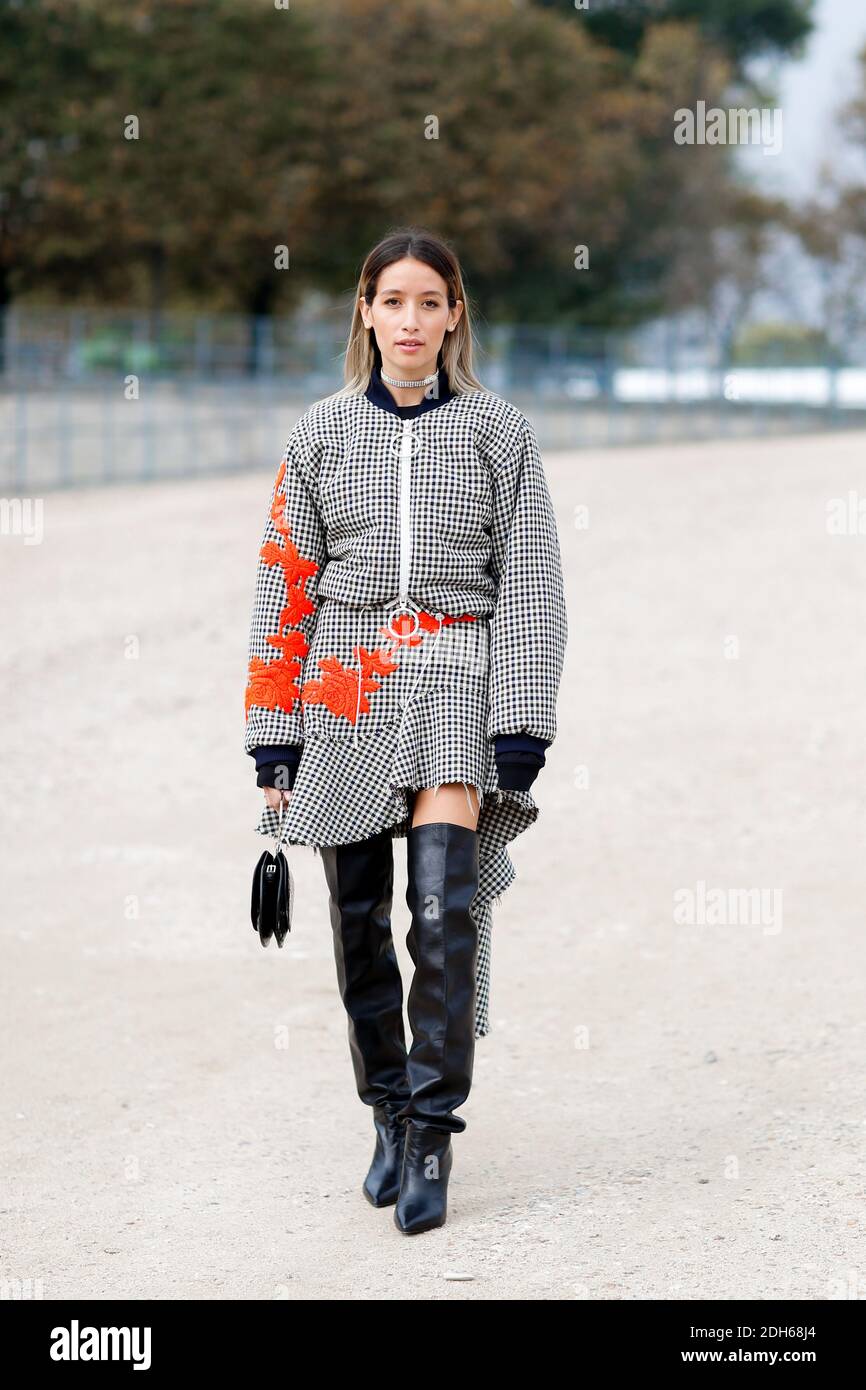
[416,718]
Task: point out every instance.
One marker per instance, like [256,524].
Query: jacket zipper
[405,517]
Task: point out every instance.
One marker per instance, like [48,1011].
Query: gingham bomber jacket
[445,512]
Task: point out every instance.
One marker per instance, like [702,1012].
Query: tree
[508,128]
[740,29]
[832,231]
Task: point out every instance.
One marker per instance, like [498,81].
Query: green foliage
[162,152]
[739,28]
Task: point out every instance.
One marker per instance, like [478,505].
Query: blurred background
[187,188]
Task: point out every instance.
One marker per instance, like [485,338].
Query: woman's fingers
[274,795]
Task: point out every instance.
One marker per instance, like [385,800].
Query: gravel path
[665,1108]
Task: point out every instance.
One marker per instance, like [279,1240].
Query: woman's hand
[274,795]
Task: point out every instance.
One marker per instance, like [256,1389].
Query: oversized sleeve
[529,627]
[291,559]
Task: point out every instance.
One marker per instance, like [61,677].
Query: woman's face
[410,316]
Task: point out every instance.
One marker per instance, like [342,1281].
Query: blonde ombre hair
[457,347]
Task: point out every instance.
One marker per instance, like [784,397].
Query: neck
[408,395]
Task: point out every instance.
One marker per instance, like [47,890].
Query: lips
[409,342]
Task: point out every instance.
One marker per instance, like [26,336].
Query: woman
[406,650]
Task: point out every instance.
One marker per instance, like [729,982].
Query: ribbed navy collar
[378,393]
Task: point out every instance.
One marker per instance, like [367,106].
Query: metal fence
[100,396]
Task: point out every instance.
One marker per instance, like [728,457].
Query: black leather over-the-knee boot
[360,878]
[442,864]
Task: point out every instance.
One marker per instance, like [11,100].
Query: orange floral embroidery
[273,684]
[338,688]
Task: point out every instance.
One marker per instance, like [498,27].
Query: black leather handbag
[273,893]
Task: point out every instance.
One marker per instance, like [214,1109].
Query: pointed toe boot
[382,1184]
[423,1200]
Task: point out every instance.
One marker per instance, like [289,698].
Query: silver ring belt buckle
[404,610]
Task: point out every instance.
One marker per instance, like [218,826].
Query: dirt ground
[665,1108]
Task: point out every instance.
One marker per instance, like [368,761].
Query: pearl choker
[423,381]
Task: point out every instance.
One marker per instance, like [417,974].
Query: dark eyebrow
[439,292]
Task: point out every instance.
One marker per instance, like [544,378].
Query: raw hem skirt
[422,721]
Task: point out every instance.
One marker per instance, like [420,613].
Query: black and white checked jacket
[445,504]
